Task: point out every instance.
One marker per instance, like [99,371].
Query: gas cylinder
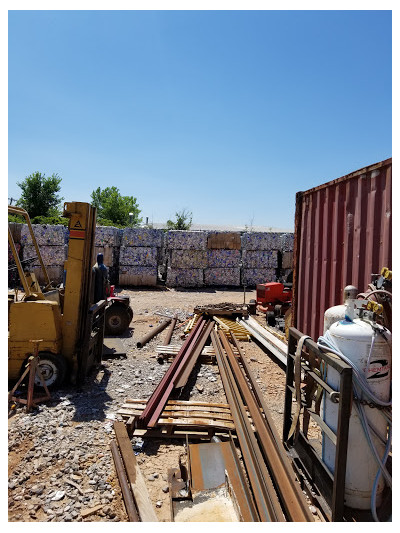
[337,312]
[354,338]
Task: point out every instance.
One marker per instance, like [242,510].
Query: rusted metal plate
[343,234]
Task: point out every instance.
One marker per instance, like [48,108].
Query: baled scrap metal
[46,235]
[138,256]
[267,241]
[185,277]
[51,255]
[189,260]
[223,258]
[107,236]
[222,276]
[253,276]
[186,240]
[151,238]
[260,258]
[137,275]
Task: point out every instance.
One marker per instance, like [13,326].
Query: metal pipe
[144,340]
[126,492]
[168,336]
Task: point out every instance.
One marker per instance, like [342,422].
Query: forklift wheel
[271,320]
[118,319]
[53,369]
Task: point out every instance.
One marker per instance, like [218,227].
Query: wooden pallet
[180,418]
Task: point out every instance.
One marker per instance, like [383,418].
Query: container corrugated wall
[343,234]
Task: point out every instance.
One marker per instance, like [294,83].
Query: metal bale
[185,277]
[46,235]
[222,276]
[138,256]
[142,237]
[186,240]
[183,259]
[223,258]
[253,276]
[260,259]
[107,236]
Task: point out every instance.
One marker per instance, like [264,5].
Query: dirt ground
[136,370]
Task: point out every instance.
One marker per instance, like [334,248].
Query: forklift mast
[78,311]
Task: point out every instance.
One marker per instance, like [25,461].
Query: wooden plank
[193,433]
[134,475]
[184,408]
[134,411]
[182,403]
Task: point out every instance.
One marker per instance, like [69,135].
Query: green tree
[183,220]
[113,209]
[39,195]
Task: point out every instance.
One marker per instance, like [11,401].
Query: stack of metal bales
[52,242]
[140,254]
[108,242]
[187,258]
[223,259]
[261,256]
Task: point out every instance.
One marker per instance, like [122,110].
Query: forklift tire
[118,319]
[130,312]
[53,369]
[271,320]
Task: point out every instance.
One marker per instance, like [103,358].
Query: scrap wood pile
[260,487]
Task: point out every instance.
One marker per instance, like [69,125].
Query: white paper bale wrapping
[152,238]
[267,241]
[138,256]
[223,258]
[260,258]
[137,275]
[222,276]
[186,240]
[253,276]
[107,236]
[188,259]
[46,235]
[185,277]
[51,255]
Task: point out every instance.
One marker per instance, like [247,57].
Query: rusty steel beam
[292,498]
[159,397]
[266,501]
[126,492]
[144,340]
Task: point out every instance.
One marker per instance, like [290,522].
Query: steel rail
[177,374]
[126,491]
[165,382]
[265,498]
[275,456]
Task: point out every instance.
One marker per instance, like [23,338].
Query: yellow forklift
[68,323]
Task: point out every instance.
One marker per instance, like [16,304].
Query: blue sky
[225,113]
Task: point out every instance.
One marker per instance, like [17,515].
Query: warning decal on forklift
[77,234]
[78,224]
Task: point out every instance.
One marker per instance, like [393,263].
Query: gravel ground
[60,466]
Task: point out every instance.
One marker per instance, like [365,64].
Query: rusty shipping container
[343,234]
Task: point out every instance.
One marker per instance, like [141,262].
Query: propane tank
[354,337]
[337,312]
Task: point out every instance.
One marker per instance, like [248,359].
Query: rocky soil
[60,465]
